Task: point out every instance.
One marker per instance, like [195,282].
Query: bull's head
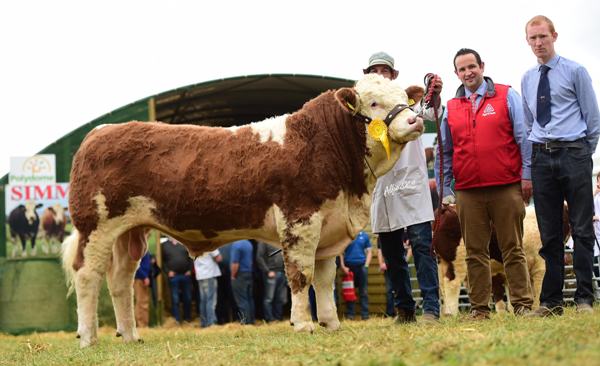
[30,213]
[383,107]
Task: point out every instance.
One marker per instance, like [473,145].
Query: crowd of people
[499,149]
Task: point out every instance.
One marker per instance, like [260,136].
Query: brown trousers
[478,209]
[142,303]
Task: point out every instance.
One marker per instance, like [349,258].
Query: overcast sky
[65,63]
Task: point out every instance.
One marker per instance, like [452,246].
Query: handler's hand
[448,200]
[526,190]
[437,84]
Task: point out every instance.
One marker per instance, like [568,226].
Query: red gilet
[485,150]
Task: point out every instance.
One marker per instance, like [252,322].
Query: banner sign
[30,170]
[37,218]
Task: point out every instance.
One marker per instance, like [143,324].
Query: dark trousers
[389,295]
[181,283]
[244,296]
[392,249]
[558,175]
[360,283]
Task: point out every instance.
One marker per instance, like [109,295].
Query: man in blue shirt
[563,122]
[241,279]
[356,258]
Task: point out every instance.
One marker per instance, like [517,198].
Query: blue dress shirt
[573,102]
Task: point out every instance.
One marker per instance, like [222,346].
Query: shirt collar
[552,62]
[480,91]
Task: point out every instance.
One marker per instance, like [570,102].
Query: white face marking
[30,211]
[271,129]
[59,213]
[378,96]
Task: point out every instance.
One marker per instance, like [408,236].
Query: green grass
[573,339]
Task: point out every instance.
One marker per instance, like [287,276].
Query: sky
[65,63]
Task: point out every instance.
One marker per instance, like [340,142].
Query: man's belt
[555,145]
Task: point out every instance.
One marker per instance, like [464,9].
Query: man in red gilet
[483,137]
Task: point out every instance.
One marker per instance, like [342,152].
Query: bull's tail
[69,250]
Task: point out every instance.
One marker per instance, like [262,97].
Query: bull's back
[197,176]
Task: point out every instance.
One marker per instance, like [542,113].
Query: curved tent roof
[222,102]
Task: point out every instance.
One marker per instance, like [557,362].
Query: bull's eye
[374,104]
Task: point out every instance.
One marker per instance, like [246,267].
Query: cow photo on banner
[36,219]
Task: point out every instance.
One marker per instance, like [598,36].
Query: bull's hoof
[118,335]
[84,343]
[140,341]
[78,336]
[331,325]
[306,327]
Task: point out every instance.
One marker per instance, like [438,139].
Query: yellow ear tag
[411,102]
[378,131]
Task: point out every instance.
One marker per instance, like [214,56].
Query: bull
[298,181]
[24,223]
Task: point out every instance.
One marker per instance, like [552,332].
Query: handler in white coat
[402,200]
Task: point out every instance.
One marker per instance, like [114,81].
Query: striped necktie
[543,97]
[473,99]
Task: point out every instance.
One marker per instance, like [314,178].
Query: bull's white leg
[299,241]
[536,272]
[88,281]
[450,290]
[87,287]
[323,283]
[120,285]
[300,316]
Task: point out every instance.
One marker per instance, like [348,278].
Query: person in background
[563,123]
[241,279]
[207,270]
[275,283]
[389,292]
[356,259]
[178,266]
[141,291]
[597,235]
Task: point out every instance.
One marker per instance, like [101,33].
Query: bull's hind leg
[323,284]
[127,252]
[299,243]
[88,281]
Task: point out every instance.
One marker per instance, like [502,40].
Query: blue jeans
[181,283]
[564,174]
[244,296]
[208,301]
[360,282]
[392,249]
[275,296]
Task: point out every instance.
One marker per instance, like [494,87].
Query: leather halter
[389,118]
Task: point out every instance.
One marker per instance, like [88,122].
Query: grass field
[573,339]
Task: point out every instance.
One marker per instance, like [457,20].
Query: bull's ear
[348,99]
[415,94]
[38,205]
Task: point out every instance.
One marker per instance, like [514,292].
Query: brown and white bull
[453,267]
[53,223]
[299,181]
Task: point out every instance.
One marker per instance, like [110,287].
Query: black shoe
[584,307]
[406,316]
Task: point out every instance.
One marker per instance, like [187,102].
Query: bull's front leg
[299,241]
[323,283]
